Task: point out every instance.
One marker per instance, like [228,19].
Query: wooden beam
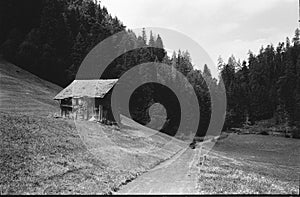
[99,113]
[87,109]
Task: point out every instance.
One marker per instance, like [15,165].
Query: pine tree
[151,40]
[220,63]
[140,41]
[174,66]
[206,71]
[29,50]
[296,39]
[78,53]
[160,52]
[287,43]
[287,90]
[50,19]
[10,46]
[144,37]
[159,42]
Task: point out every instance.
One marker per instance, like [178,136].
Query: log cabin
[88,100]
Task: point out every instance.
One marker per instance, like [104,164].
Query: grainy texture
[43,155]
[24,92]
[251,164]
[47,156]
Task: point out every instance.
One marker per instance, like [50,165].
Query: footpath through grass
[42,155]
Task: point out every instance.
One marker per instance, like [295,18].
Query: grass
[39,154]
[48,156]
[43,155]
[23,92]
[222,176]
[252,164]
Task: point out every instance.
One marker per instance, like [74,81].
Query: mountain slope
[24,92]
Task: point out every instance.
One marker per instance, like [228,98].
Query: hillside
[24,92]
[43,155]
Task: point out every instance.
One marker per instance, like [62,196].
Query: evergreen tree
[151,40]
[144,37]
[159,42]
[29,50]
[288,43]
[79,50]
[10,46]
[206,71]
[296,39]
[220,63]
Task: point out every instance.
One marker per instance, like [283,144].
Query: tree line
[150,48]
[265,86]
[50,38]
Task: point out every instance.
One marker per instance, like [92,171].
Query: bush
[263,133]
[295,133]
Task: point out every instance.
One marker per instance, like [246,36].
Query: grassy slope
[24,92]
[42,155]
[252,164]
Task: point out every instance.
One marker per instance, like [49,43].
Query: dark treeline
[151,50]
[50,38]
[266,86]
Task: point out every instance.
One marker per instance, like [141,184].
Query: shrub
[295,133]
[263,133]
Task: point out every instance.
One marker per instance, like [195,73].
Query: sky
[220,27]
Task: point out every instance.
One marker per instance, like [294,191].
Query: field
[255,164]
[47,156]
[43,155]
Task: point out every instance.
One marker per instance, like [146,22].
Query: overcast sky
[221,27]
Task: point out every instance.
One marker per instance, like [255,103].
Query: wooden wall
[87,108]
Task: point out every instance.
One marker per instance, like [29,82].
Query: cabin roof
[96,88]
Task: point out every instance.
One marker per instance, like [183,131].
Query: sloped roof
[96,88]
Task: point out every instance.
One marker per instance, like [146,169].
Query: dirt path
[175,176]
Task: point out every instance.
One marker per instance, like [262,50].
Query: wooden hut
[87,99]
